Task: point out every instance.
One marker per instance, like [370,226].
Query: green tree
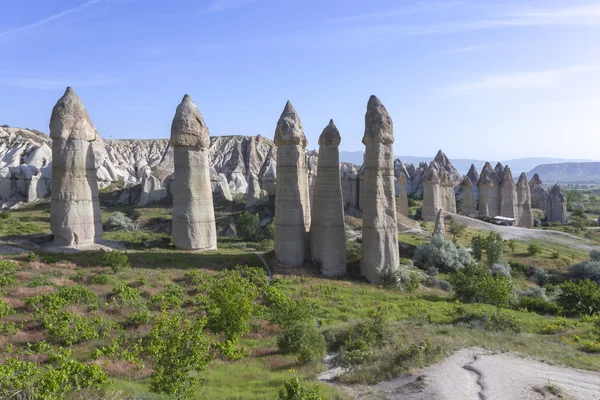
[494,248]
[512,245]
[456,230]
[248,226]
[477,246]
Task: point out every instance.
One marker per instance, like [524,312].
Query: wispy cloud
[225,5]
[15,33]
[466,49]
[51,84]
[521,80]
[420,7]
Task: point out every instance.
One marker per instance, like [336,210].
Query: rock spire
[402,196]
[489,201]
[468,205]
[380,230]
[539,195]
[75,209]
[508,195]
[439,229]
[292,201]
[525,219]
[327,234]
[193,224]
[556,206]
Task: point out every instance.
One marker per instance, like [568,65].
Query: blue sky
[478,79]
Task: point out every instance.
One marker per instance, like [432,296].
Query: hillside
[568,172]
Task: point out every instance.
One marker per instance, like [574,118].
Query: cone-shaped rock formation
[539,195]
[556,206]
[439,229]
[489,201]
[525,219]
[75,209]
[380,230]
[402,197]
[508,195]
[193,225]
[468,205]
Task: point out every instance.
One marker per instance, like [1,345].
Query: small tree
[512,245]
[456,230]
[477,245]
[494,248]
[534,249]
[249,226]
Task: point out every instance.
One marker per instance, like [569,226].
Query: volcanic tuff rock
[473,175]
[468,206]
[499,168]
[292,202]
[525,219]
[439,229]
[489,195]
[438,187]
[327,233]
[539,195]
[432,198]
[402,197]
[508,195]
[193,224]
[556,206]
[75,209]
[380,230]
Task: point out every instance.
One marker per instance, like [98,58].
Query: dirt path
[511,232]
[480,374]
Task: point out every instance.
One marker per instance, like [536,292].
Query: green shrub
[579,298]
[539,276]
[32,257]
[494,247]
[475,284]
[265,245]
[416,355]
[179,349]
[125,296]
[78,295]
[99,279]
[116,260]
[442,254]
[595,255]
[282,310]
[359,340]
[170,298]
[248,226]
[119,222]
[501,269]
[393,276]
[496,321]
[67,328]
[138,318]
[37,282]
[586,270]
[534,249]
[294,390]
[353,252]
[5,309]
[304,340]
[477,246]
[16,376]
[8,273]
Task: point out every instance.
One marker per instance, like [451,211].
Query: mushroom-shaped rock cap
[431,174]
[378,123]
[522,180]
[330,135]
[507,177]
[402,179]
[188,127]
[466,182]
[70,119]
[289,129]
[488,176]
[473,174]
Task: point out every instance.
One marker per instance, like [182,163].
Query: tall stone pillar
[468,206]
[292,201]
[402,196]
[524,200]
[75,209]
[432,193]
[556,206]
[193,225]
[380,230]
[327,233]
[489,192]
[508,195]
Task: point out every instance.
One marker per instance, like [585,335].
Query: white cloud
[51,84]
[521,80]
[225,5]
[15,33]
[466,49]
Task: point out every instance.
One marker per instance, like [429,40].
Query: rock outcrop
[489,195]
[499,168]
[525,219]
[350,184]
[402,197]
[193,224]
[380,230]
[539,195]
[327,233]
[473,175]
[432,198]
[75,209]
[556,206]
[438,187]
[439,229]
[292,202]
[256,196]
[508,195]
[468,205]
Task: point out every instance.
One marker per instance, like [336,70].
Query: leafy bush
[116,260]
[37,282]
[178,348]
[67,328]
[534,249]
[16,376]
[99,279]
[477,246]
[586,270]
[501,269]
[138,318]
[441,254]
[494,247]
[477,285]
[32,257]
[581,297]
[294,390]
[496,321]
[393,276]
[125,296]
[304,340]
[170,298]
[538,305]
[248,226]
[119,222]
[283,310]
[539,276]
[416,355]
[358,341]
[595,255]
[8,271]
[537,222]
[5,309]
[353,252]
[265,245]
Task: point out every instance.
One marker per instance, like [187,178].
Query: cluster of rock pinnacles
[302,232]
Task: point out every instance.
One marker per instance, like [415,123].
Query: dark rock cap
[70,119]
[188,127]
[330,135]
[289,129]
[379,127]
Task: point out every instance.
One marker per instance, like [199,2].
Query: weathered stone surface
[152,190]
[473,175]
[256,196]
[524,203]
[438,187]
[439,229]
[499,168]
[402,197]
[508,195]
[432,198]
[468,205]
[75,210]
[350,184]
[327,233]
[556,206]
[193,225]
[380,231]
[539,195]
[292,200]
[489,193]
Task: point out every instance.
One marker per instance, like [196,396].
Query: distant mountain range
[551,170]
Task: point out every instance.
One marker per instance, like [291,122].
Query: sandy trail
[479,374]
